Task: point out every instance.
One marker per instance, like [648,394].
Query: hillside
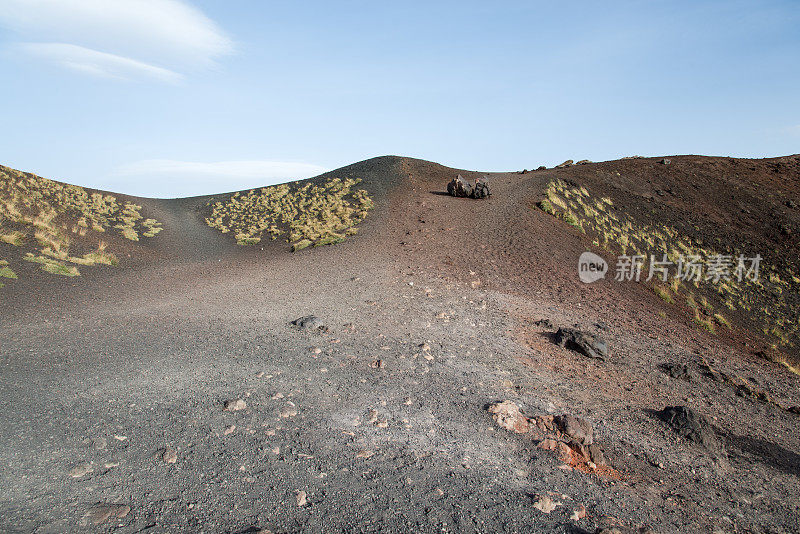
[119,354]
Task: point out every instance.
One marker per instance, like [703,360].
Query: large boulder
[481,190]
[459,187]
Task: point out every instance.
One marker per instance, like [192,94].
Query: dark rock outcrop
[459,187]
[587,344]
[310,323]
[692,426]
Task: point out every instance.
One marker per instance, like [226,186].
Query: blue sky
[171,98]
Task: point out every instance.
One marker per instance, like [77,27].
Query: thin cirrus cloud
[100,64]
[155,39]
[165,178]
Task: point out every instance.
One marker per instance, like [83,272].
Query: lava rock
[587,344]
[577,429]
[459,187]
[507,415]
[481,190]
[234,405]
[691,425]
[311,323]
[102,512]
[677,370]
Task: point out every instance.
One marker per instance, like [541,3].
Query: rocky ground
[172,394]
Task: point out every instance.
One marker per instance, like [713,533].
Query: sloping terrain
[119,387]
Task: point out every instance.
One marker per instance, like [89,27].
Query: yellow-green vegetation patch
[663,293]
[721,320]
[151,227]
[764,298]
[53,266]
[38,212]
[308,215]
[13,238]
[6,271]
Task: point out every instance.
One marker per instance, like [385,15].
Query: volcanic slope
[115,383]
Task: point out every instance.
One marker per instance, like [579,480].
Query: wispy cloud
[167,178]
[96,63]
[151,38]
[233,169]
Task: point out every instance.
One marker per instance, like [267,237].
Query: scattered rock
[81,470]
[169,455]
[290,410]
[595,454]
[315,350]
[229,430]
[544,323]
[546,504]
[791,204]
[508,416]
[548,444]
[691,425]
[794,410]
[665,161]
[621,529]
[577,429]
[102,512]
[310,323]
[99,443]
[302,499]
[583,162]
[234,405]
[677,370]
[578,513]
[584,342]
[377,364]
[567,163]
